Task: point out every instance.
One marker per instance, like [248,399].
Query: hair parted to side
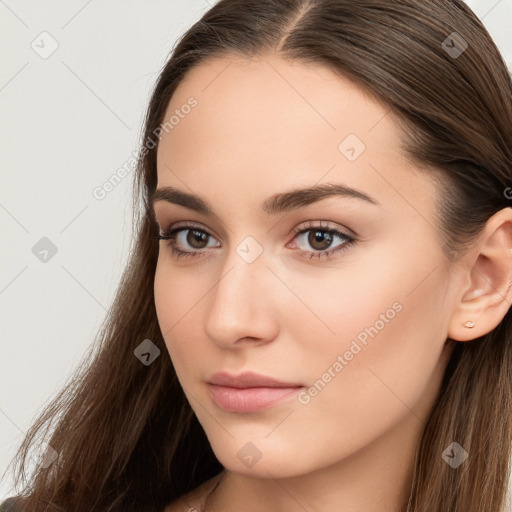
[125,435]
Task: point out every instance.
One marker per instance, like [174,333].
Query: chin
[260,458]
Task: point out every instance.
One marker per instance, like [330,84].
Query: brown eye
[188,241]
[196,238]
[319,239]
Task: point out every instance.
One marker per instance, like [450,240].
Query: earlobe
[487,293]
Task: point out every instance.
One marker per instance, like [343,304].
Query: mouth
[244,400]
[249,392]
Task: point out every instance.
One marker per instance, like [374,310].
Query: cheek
[165,296]
[390,336]
[374,338]
[179,299]
[394,377]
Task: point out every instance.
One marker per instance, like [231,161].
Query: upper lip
[248,380]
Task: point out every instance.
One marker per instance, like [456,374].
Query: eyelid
[186,225]
[317,223]
[329,226]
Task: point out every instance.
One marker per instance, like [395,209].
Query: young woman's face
[274,285]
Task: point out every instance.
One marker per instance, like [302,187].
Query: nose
[242,310]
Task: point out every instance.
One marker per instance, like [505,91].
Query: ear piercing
[469,324]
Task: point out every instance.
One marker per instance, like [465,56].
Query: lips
[249,380]
[249,392]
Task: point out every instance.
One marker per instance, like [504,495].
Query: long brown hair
[125,435]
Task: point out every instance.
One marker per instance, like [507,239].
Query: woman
[316,313]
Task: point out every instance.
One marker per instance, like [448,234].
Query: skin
[264,126]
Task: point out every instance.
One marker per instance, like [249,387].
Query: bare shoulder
[191,502]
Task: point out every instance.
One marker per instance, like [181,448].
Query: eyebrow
[278,203]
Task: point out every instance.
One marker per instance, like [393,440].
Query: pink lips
[248,392]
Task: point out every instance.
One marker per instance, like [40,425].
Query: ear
[486,295]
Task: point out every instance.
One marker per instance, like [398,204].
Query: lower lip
[249,399]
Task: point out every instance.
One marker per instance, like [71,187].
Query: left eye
[318,237]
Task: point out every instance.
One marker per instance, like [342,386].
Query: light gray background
[68,122]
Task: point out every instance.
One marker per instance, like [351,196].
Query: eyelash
[170,236]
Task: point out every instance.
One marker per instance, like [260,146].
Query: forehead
[265,124]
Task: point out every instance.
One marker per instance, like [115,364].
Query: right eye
[186,235]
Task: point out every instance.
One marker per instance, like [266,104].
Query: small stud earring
[469,324]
